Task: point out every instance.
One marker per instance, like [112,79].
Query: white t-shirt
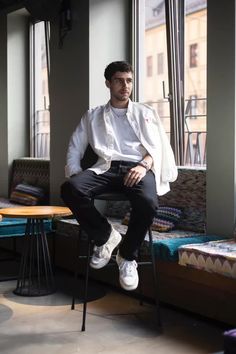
[126,145]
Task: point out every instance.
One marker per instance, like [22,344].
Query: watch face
[144,163]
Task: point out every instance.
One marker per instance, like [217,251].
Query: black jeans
[79,189]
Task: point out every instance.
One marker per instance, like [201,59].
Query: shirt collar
[129,108]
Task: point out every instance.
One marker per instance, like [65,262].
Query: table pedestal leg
[35,275]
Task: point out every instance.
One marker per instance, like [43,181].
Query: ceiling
[39,9]
[10,5]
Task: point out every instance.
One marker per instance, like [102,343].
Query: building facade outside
[195,84]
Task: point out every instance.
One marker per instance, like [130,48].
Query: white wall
[109,40]
[3,107]
[14,127]
[18,81]
[69,89]
[221,182]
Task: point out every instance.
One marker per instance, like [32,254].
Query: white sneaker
[102,254]
[128,273]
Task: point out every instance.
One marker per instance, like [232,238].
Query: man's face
[121,85]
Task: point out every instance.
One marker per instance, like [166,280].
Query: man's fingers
[133,177]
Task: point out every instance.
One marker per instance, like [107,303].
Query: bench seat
[12,227]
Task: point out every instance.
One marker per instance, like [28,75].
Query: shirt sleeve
[169,171]
[76,148]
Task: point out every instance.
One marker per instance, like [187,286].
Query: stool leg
[76,267]
[86,287]
[154,277]
[140,282]
[85,297]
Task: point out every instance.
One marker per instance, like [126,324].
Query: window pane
[40,126]
[149,66]
[195,82]
[155,50]
[160,63]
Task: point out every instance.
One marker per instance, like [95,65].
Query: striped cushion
[26,194]
[165,220]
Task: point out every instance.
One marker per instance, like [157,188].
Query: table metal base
[35,276]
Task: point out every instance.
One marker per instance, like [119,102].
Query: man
[134,157]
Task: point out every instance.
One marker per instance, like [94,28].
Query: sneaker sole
[100,265]
[129,287]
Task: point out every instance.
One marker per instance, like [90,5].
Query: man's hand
[134,175]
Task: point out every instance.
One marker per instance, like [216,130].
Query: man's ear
[108,84]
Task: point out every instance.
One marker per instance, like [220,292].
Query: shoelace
[128,267]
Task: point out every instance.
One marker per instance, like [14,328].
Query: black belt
[122,166]
[122,163]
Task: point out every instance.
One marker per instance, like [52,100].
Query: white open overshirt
[95,129]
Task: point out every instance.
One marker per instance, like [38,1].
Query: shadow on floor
[65,285]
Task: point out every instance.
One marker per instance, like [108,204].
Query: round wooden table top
[36,212]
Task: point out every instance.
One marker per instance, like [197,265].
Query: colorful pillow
[165,220]
[26,194]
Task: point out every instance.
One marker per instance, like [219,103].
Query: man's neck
[119,104]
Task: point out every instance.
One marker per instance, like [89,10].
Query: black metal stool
[114,196]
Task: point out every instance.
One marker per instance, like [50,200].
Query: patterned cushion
[188,192]
[215,256]
[193,219]
[165,220]
[26,194]
[33,171]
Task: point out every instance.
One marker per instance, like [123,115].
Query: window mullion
[174,26]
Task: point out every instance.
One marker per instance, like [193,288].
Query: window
[160,109]
[149,66]
[39,69]
[173,32]
[193,106]
[160,63]
[193,55]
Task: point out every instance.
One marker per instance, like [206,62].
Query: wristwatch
[144,164]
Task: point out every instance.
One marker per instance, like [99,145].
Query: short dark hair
[115,66]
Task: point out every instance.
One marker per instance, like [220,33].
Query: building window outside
[193,55]
[160,63]
[149,66]
[40,114]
